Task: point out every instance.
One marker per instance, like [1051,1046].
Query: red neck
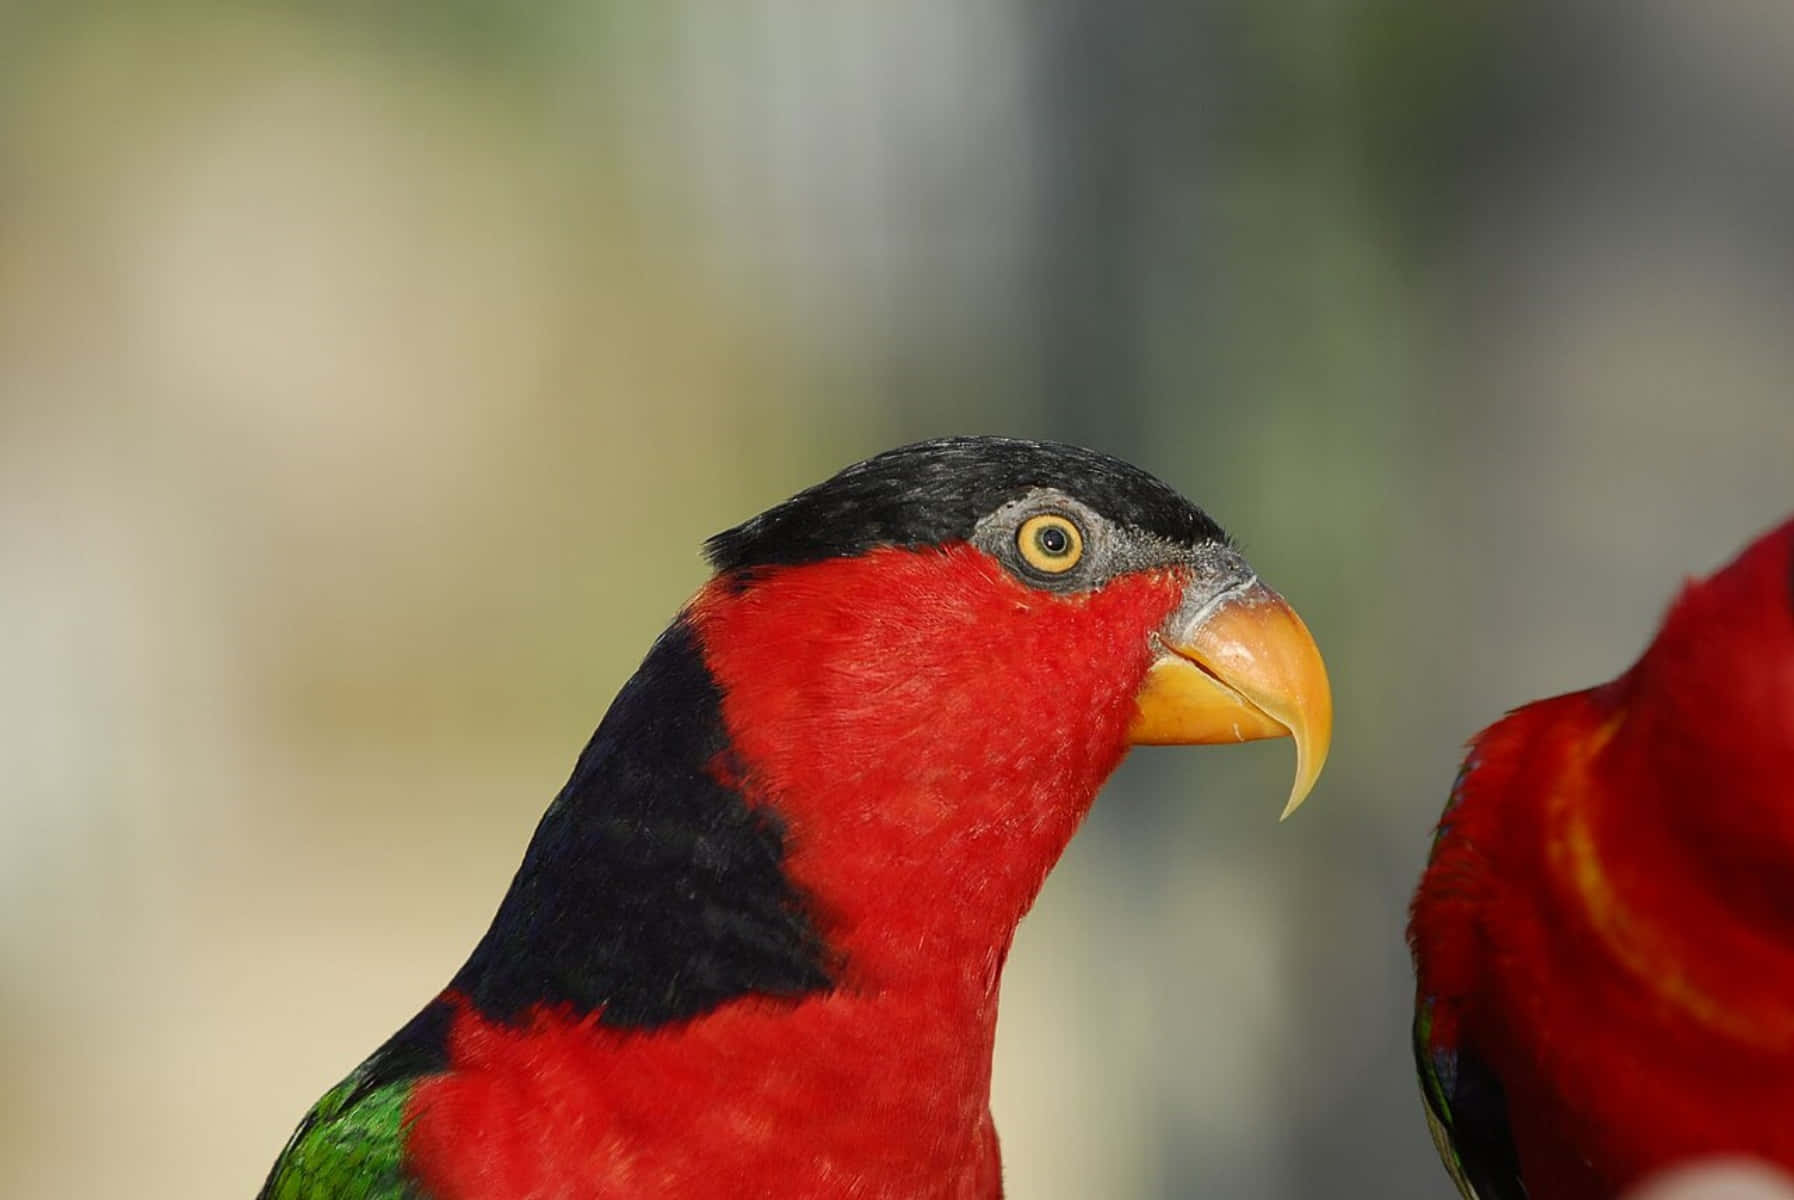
[928,742]
[918,722]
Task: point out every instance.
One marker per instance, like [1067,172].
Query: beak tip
[1311,756]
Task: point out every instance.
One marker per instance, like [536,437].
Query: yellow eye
[1050,543]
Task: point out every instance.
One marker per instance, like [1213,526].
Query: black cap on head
[936,492]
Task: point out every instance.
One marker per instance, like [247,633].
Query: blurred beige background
[369,375]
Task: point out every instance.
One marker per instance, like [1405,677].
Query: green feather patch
[350,1146]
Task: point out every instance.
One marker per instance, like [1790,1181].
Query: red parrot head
[930,663]
[857,752]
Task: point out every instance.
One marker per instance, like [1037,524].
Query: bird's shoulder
[348,1147]
[1477,897]
[351,1144]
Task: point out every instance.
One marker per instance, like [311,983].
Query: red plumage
[992,737]
[1606,927]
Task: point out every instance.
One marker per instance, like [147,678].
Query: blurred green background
[369,374]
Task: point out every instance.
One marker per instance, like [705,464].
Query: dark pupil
[1053,541]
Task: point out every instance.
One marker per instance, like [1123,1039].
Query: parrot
[1603,936]
[754,945]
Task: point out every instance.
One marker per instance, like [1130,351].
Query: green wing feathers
[350,1146]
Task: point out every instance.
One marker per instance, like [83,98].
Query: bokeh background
[369,374]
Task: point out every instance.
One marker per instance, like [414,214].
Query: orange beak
[1243,668]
